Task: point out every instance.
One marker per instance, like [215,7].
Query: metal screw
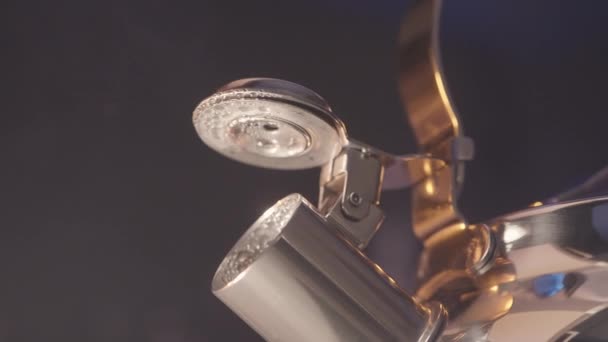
[355,199]
[365,153]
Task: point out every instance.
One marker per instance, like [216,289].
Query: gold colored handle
[433,118]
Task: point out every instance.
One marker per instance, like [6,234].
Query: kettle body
[301,272]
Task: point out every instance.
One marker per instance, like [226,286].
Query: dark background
[113,214]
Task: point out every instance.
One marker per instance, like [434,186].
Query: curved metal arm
[433,118]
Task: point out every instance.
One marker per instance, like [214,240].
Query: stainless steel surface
[278,124]
[351,186]
[349,193]
[488,276]
[292,279]
[364,173]
[401,172]
[299,274]
[548,272]
[270,123]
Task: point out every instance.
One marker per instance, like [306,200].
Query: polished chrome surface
[560,255]
[270,123]
[298,274]
[349,193]
[278,124]
[350,186]
[529,276]
[291,278]
[547,273]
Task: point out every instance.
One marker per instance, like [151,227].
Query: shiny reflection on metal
[349,193]
[299,281]
[350,186]
[547,272]
[270,123]
[401,172]
[364,174]
[364,171]
[298,274]
[278,124]
[430,110]
[433,118]
[434,203]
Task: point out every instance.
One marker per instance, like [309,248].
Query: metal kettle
[300,272]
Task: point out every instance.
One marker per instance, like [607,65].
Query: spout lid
[270,123]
